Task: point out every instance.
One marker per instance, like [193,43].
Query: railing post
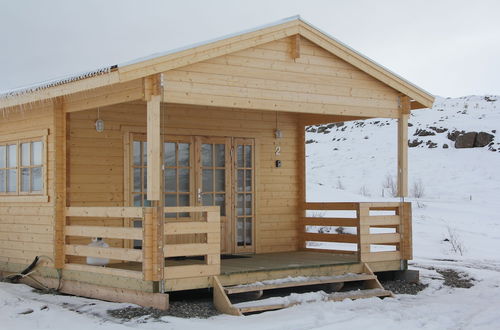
[363,213]
[158,243]
[406,245]
[214,238]
[147,244]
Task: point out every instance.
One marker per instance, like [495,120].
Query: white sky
[449,48]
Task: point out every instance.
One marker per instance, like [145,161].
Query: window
[22,167]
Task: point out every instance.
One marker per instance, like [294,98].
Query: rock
[482,139]
[465,140]
[410,125]
[431,144]
[445,146]
[423,132]
[454,134]
[438,129]
[414,143]
[311,141]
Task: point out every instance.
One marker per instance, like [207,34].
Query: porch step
[295,299]
[371,287]
[291,282]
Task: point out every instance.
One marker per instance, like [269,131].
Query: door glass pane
[220,180]
[145,178]
[220,155]
[137,179]
[137,243]
[169,154]
[184,201]
[239,231]
[239,155]
[2,157]
[184,154]
[170,200]
[207,199]
[248,231]
[144,153]
[137,153]
[2,180]
[170,180]
[248,180]
[25,155]
[25,179]
[145,201]
[36,179]
[206,155]
[239,204]
[248,156]
[207,180]
[12,155]
[241,174]
[137,200]
[248,204]
[11,180]
[184,180]
[220,200]
[36,153]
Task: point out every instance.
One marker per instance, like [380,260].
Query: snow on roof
[104,70]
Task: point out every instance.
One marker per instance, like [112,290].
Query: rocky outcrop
[473,140]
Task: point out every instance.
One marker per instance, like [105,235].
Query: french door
[204,171]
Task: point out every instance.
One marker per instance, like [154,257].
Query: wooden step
[297,282]
[275,303]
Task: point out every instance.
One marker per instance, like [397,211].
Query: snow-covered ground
[461,198]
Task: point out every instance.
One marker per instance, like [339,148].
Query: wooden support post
[58,140]
[153,95]
[403,146]
[295,46]
[158,243]
[214,258]
[363,231]
[301,152]
[152,244]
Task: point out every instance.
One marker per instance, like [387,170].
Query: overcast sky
[449,48]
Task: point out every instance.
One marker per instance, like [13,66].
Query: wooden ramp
[367,286]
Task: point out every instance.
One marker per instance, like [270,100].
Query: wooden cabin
[190,166]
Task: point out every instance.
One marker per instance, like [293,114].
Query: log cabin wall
[27,220]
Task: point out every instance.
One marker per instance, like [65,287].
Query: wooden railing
[209,248]
[154,246]
[361,228]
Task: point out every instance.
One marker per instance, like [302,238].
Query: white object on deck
[98,242]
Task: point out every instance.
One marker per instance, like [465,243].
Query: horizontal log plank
[382,238]
[380,256]
[105,212]
[191,271]
[99,252]
[334,238]
[195,249]
[345,222]
[382,220]
[104,270]
[105,232]
[190,227]
[331,206]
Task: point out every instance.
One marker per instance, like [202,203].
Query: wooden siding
[268,77]
[26,228]
[97,161]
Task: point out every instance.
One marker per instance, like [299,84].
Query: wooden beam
[58,141]
[295,46]
[105,212]
[153,95]
[403,146]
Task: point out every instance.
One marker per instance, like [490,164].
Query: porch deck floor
[263,262]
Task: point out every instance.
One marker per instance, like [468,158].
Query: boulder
[445,146]
[465,140]
[483,139]
[423,132]
[453,135]
[414,143]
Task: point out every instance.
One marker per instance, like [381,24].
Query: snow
[462,194]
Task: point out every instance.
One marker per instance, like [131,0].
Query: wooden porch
[192,265]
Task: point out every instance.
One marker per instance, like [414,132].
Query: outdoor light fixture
[99,123]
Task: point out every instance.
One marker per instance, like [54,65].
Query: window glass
[25,179]
[36,179]
[12,155]
[36,151]
[2,157]
[11,180]
[25,154]
[2,180]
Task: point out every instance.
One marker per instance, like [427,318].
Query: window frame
[18,139]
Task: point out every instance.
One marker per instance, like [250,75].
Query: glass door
[244,171]
[214,181]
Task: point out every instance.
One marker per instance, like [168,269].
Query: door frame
[129,134]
